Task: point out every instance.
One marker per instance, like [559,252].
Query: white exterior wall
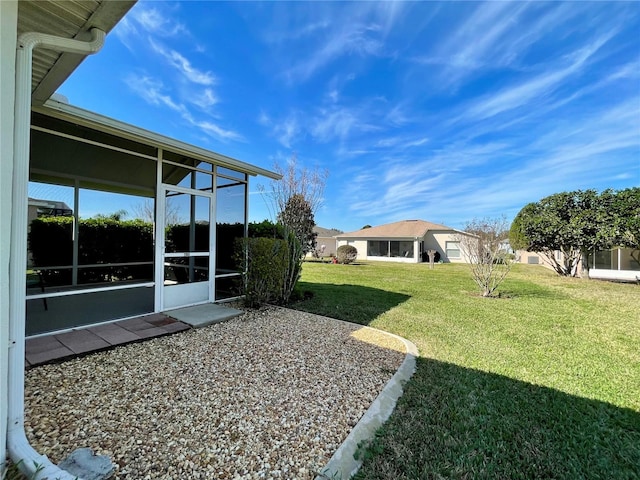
[361,246]
[8,35]
[441,239]
[329,243]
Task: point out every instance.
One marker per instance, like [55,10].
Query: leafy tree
[118,215]
[574,223]
[486,250]
[294,200]
[298,216]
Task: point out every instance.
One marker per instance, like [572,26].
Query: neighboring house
[326,237]
[533,258]
[406,241]
[198,196]
[618,264]
[47,208]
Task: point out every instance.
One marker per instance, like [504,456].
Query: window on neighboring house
[401,249]
[453,249]
[376,248]
[603,259]
[533,260]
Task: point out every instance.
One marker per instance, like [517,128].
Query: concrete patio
[58,346]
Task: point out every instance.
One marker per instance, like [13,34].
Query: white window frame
[453,246]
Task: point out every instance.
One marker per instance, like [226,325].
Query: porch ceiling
[81,123]
[69,19]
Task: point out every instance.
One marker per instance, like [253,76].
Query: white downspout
[33,464]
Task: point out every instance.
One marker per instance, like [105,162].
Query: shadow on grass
[353,303]
[455,422]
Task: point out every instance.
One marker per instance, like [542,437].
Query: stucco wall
[8,32]
[361,246]
[438,240]
[329,243]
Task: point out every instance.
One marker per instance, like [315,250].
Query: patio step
[202,315]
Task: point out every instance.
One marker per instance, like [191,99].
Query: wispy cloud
[285,131]
[496,36]
[506,175]
[436,110]
[147,20]
[352,40]
[184,66]
[186,88]
[355,31]
[204,99]
[154,92]
[542,85]
[155,21]
[338,123]
[214,130]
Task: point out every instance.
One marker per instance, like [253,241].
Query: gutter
[34,465]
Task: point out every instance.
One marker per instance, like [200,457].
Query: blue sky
[438,111]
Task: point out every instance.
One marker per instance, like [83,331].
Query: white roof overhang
[69,19]
[78,122]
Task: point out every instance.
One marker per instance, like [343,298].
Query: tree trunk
[432,258]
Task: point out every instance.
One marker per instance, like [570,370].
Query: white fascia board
[99,122]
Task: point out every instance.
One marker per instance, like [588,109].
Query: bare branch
[485,246]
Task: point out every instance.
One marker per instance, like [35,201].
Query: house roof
[53,204]
[402,229]
[326,232]
[69,19]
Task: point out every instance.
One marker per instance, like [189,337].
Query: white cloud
[353,39]
[183,65]
[215,130]
[204,99]
[154,21]
[287,130]
[335,123]
[153,91]
[542,85]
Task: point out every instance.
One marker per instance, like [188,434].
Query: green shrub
[266,229]
[347,254]
[266,264]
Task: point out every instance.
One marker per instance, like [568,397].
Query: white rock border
[343,464]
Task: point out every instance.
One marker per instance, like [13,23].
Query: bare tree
[146,211]
[486,248]
[293,202]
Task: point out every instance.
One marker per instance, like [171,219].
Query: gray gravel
[270,394]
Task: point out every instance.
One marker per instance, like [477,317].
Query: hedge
[108,241]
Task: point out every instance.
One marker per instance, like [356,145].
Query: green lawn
[541,383]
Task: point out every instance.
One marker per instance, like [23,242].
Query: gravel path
[270,394]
